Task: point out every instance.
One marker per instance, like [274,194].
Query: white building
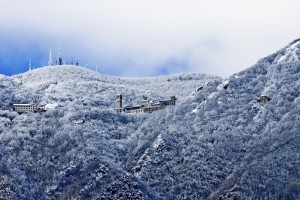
[25,107]
[145,106]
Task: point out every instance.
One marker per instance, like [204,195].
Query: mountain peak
[291,52]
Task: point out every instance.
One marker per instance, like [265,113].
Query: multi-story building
[145,105]
[25,108]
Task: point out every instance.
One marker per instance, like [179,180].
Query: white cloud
[137,37]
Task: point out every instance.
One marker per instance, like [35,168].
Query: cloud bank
[145,38]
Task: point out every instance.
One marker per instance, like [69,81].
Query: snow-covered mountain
[288,54]
[223,143]
[45,152]
[64,84]
[234,138]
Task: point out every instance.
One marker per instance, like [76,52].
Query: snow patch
[211,95]
[51,106]
[291,53]
[196,110]
[142,162]
[158,142]
[224,85]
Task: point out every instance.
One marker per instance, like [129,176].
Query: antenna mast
[30,64]
[50,58]
[59,60]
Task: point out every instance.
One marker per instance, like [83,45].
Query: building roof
[23,104]
[168,100]
[165,100]
[132,107]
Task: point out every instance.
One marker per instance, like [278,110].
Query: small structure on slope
[78,122]
[145,105]
[263,99]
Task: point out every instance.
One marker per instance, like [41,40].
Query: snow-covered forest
[218,142]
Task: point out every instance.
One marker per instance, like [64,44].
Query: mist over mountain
[233,138]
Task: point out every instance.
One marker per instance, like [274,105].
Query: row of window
[25,108]
[151,109]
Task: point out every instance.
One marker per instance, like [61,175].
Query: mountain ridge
[221,141]
[233,114]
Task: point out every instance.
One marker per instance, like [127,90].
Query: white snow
[211,95]
[158,142]
[51,106]
[290,53]
[223,85]
[195,110]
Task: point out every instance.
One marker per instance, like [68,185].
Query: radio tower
[50,58]
[30,64]
[59,60]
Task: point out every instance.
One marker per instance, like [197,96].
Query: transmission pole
[50,58]
[30,64]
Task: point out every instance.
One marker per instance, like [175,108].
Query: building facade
[145,106]
[25,107]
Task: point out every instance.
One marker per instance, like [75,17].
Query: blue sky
[146,37]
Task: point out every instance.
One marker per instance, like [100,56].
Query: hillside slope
[224,143]
[47,156]
[66,83]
